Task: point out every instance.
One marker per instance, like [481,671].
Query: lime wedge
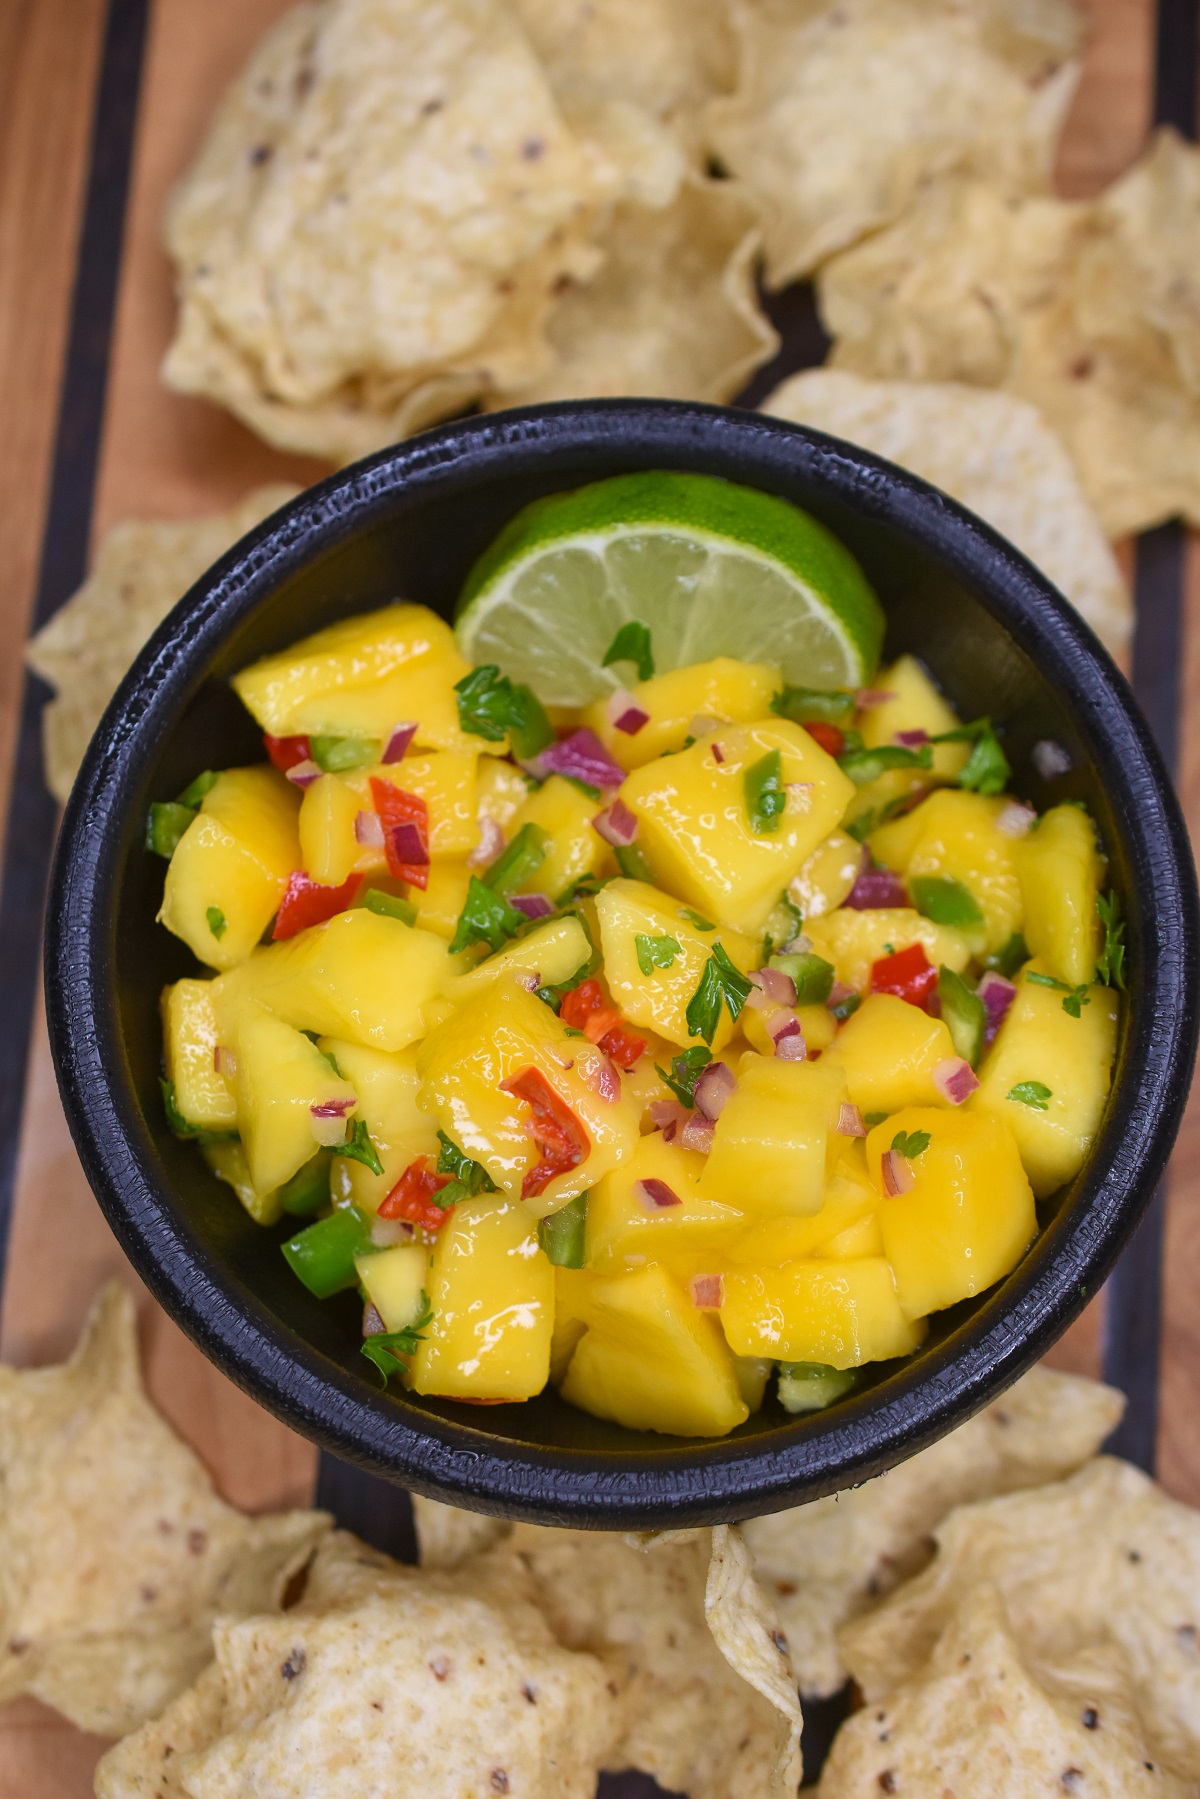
[712,568]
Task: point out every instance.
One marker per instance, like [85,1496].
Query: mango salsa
[644,1049]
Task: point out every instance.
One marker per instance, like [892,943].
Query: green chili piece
[561,1235]
[322,1255]
[337,754]
[812,976]
[166,822]
[808,705]
[518,861]
[766,796]
[811,1386]
[963,1014]
[307,1193]
[389,905]
[944,901]
[632,864]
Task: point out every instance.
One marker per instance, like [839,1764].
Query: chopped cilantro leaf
[390,1350]
[561,1236]
[686,1069]
[944,900]
[701,924]
[487,918]
[766,796]
[632,644]
[1009,957]
[721,981]
[655,952]
[490,706]
[1077,997]
[987,768]
[1030,1093]
[632,864]
[359,1148]
[470,1177]
[1110,965]
[871,1119]
[910,1144]
[516,863]
[218,924]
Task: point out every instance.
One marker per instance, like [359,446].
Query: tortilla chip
[115,1552]
[673,313]
[980,1719]
[745,1628]
[142,569]
[396,1681]
[1088,309]
[378,222]
[845,109]
[447,1536]
[827,1562]
[1102,1557]
[994,453]
[691,1720]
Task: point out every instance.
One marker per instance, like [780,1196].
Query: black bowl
[410,522]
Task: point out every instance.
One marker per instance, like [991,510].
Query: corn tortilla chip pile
[994,453]
[116,1554]
[142,569]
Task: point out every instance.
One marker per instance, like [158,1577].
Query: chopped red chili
[286,752]
[400,812]
[908,974]
[307,902]
[412,1196]
[585,1009]
[828,736]
[560,1137]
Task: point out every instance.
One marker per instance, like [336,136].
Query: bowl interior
[994,638]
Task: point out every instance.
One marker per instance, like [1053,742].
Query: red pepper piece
[585,1009]
[555,1129]
[400,813]
[286,752]
[307,902]
[412,1196]
[908,974]
[622,1047]
[828,736]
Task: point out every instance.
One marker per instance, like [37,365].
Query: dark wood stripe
[29,838]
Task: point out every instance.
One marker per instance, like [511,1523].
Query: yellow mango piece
[752,1374]
[233,860]
[494,1036]
[723,690]
[554,951]
[916,706]
[573,848]
[968,1219]
[651,1361]
[658,1001]
[862,1239]
[953,835]
[695,830]
[827,876]
[775,1144]
[849,1197]
[228,1162]
[624,1226]
[1073,1057]
[388,1090]
[394,1280]
[492,1293]
[439,905]
[280,1075]
[328,845]
[363,676]
[888,1051]
[447,783]
[841,1313]
[853,940]
[817,1022]
[190,1040]
[1060,872]
[500,791]
[571,1286]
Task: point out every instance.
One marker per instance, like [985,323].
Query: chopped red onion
[788,1037]
[409,844]
[655,1194]
[839,992]
[583,757]
[997,995]
[332,1108]
[303,774]
[329,1129]
[224,1061]
[372,1323]
[955,1080]
[697,1133]
[1050,759]
[491,842]
[718,754]
[368,830]
[876,888]
[603,1079]
[624,713]
[868,697]
[897,1174]
[911,740]
[616,824]
[1016,820]
[850,1121]
[387,1232]
[714,1089]
[533,905]
[776,988]
[668,1116]
[396,747]
[708,1292]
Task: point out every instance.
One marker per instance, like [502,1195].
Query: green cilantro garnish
[390,1350]
[944,900]
[804,705]
[1030,1093]
[701,924]
[871,1119]
[720,981]
[1110,966]
[389,905]
[218,924]
[987,768]
[487,918]
[766,796]
[183,1127]
[632,644]
[359,1148]
[490,706]
[867,765]
[686,1069]
[910,1144]
[470,1177]
[562,1236]
[1077,997]
[655,952]
[202,785]
[843,1009]
[553,996]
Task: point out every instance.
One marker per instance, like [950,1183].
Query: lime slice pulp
[712,568]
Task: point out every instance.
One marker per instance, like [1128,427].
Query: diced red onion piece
[396,747]
[868,697]
[616,824]
[718,754]
[603,1079]
[491,842]
[583,757]
[955,1080]
[708,1292]
[788,1038]
[997,995]
[910,740]
[368,830]
[410,844]
[624,713]
[777,985]
[533,905]
[224,1061]
[372,1323]
[668,1116]
[655,1194]
[850,1121]
[876,888]
[332,1108]
[897,1174]
[387,1232]
[329,1131]
[714,1089]
[303,774]
[839,992]
[697,1133]
[1016,820]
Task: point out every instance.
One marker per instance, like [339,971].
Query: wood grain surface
[167,456]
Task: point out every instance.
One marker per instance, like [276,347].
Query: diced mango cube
[328,845]
[440,903]
[852,940]
[446,782]
[1062,1066]
[1060,871]
[849,1197]
[573,848]
[571,1287]
[888,1051]
[190,1041]
[651,1361]
[775,1143]
[915,705]
[394,1280]
[659,999]
[227,1160]
[838,1312]
[953,835]
[625,1223]
[827,876]
[227,876]
[554,952]
[817,1022]
[696,830]
[500,791]
[968,1219]
[491,1289]
[280,1076]
[388,1090]
[862,1239]
[723,690]
[495,1036]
